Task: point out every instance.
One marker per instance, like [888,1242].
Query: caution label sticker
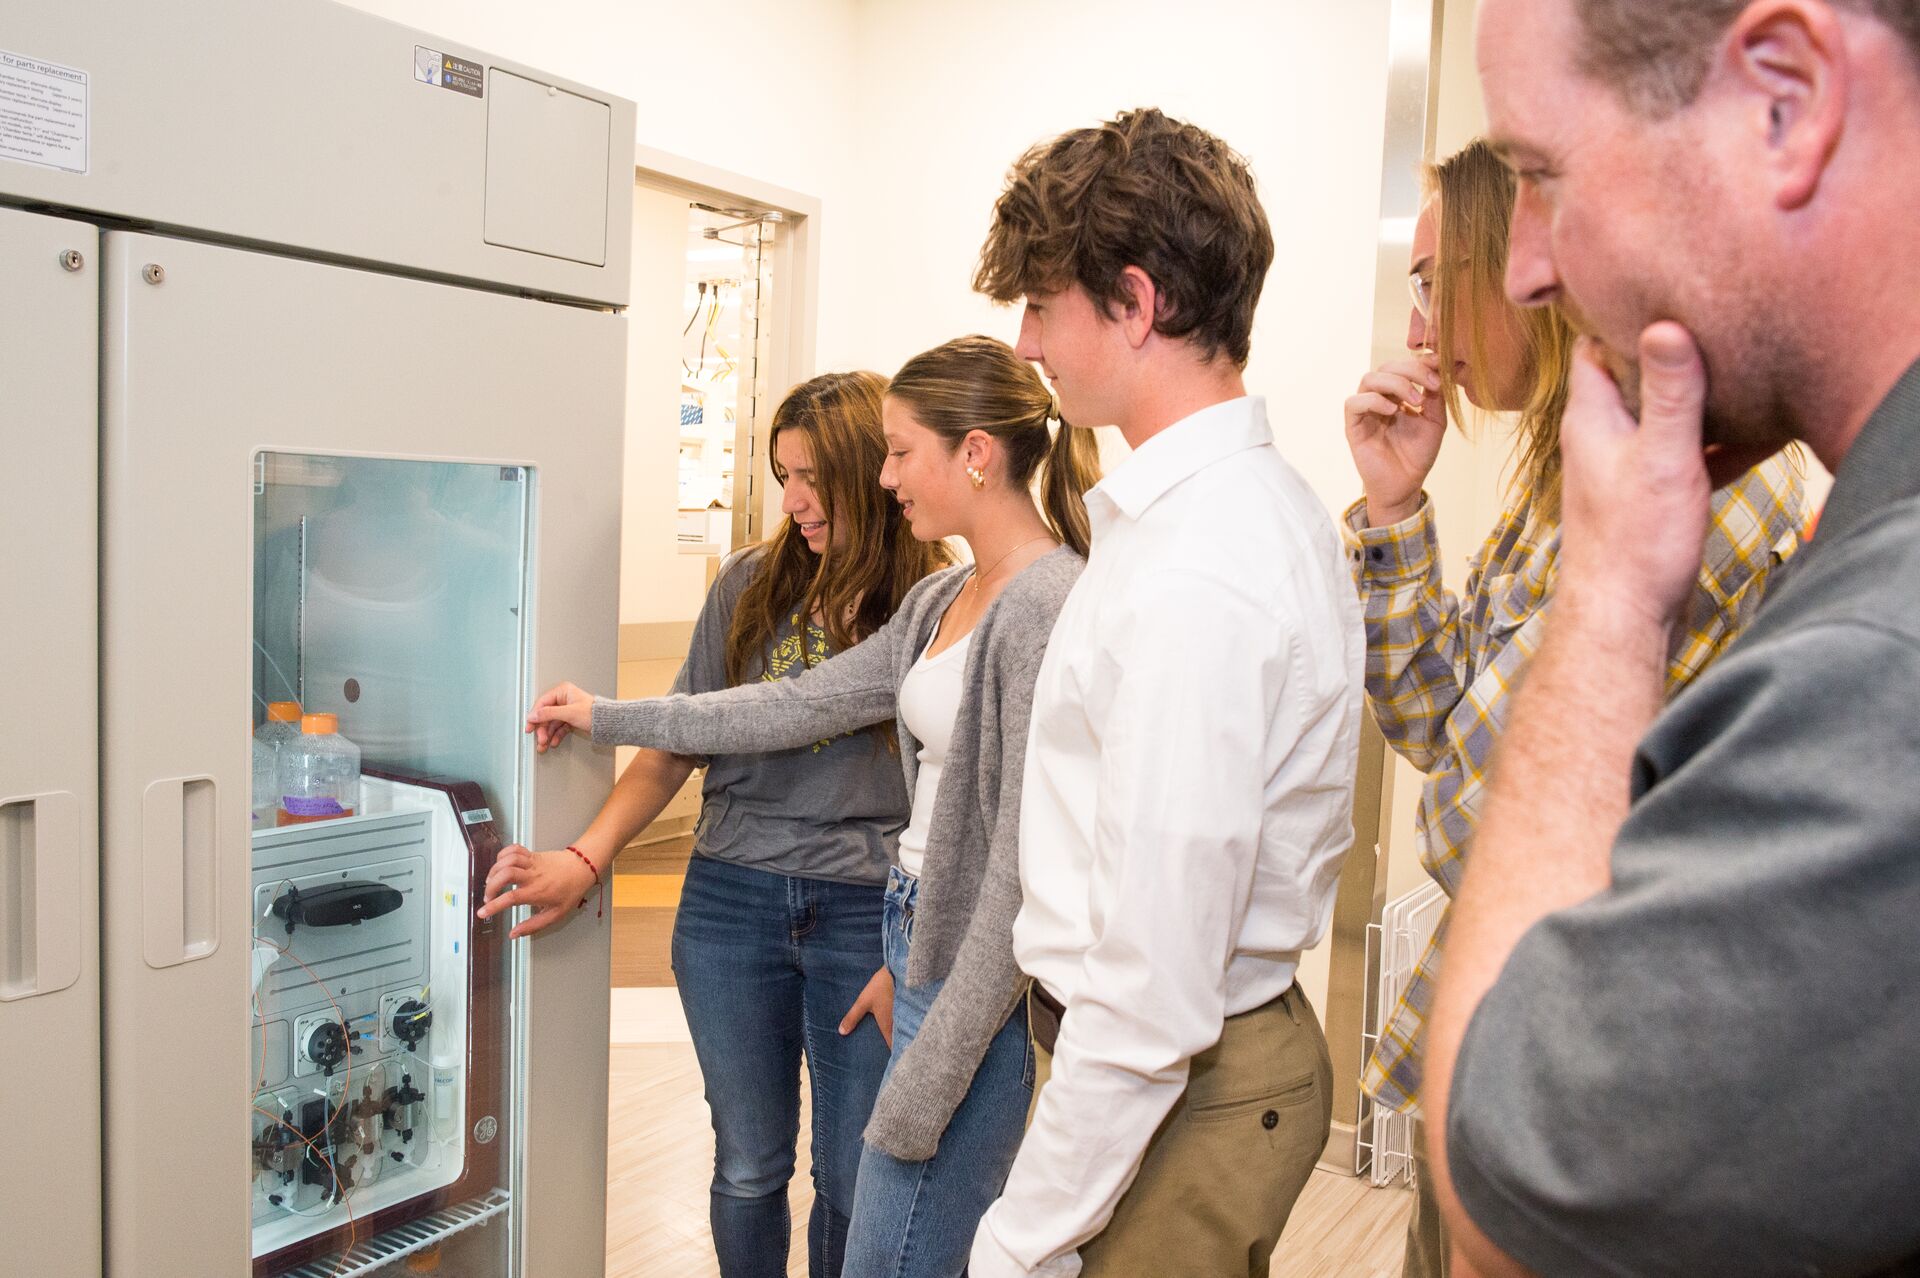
[44,113]
[430,66]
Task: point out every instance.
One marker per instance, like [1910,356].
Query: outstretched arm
[849,691]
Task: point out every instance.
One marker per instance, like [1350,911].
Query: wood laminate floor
[660,1151]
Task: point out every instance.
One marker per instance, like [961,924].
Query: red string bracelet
[600,909]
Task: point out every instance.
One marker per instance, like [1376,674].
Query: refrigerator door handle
[39,894]
[179,857]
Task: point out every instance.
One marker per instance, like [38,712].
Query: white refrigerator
[311,390]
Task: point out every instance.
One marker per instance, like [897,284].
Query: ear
[977,449]
[1136,314]
[1789,59]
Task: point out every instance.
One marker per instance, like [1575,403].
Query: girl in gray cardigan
[967,430]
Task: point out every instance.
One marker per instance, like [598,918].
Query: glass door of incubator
[352,524]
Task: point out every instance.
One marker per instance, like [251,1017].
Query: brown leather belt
[1043,1016]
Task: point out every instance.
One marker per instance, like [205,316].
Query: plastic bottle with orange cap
[319,773]
[282,725]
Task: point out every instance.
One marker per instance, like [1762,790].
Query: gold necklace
[975,583]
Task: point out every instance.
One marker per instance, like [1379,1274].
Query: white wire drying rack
[1383,1146]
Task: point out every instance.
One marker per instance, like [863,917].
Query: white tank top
[929,704]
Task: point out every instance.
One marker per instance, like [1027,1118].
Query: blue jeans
[917,1220]
[767,966]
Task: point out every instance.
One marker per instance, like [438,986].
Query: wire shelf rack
[404,1240]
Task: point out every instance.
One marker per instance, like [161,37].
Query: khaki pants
[1426,1239]
[1221,1174]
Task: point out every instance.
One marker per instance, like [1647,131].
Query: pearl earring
[978,476]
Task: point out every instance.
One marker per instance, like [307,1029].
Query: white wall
[949,98]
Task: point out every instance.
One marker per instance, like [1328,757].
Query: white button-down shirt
[1186,806]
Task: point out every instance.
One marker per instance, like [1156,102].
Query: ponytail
[1072,466]
[979,383]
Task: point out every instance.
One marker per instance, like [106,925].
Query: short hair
[1140,190]
[1656,53]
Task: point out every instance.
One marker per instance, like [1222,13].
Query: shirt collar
[1182,451]
[1882,466]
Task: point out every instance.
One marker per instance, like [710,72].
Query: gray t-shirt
[831,810]
[1711,1067]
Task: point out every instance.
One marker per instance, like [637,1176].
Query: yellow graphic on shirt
[792,651]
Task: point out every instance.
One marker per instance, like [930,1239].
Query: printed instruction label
[430,66]
[43,113]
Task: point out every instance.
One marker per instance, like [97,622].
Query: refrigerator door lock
[73,259]
[153,273]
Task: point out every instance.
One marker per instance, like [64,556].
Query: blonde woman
[1440,666]
[968,436]
[776,949]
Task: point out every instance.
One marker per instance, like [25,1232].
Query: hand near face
[1395,424]
[1637,494]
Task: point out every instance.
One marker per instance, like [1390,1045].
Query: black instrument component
[335,905]
[402,1108]
[411,1021]
[329,1044]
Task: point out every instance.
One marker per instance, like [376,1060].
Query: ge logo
[485,1130]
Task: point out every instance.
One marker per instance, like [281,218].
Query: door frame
[795,312]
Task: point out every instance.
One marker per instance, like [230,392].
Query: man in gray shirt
[1679,1022]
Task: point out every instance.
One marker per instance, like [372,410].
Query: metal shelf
[405,1240]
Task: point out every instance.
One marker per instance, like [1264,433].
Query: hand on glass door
[876,1000]
[561,709]
[552,883]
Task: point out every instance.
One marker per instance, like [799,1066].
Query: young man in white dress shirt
[1189,776]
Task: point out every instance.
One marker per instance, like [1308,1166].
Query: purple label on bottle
[294,805]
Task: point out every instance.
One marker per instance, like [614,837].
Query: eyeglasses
[1422,289]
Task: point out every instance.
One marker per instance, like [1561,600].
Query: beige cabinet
[311,395]
[49,763]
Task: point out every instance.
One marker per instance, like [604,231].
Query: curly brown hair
[1140,190]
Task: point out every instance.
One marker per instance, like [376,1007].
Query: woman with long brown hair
[1440,666]
[776,943]
[969,439]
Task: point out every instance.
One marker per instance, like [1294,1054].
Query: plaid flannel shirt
[1441,671]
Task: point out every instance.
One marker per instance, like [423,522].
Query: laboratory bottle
[282,725]
[319,773]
